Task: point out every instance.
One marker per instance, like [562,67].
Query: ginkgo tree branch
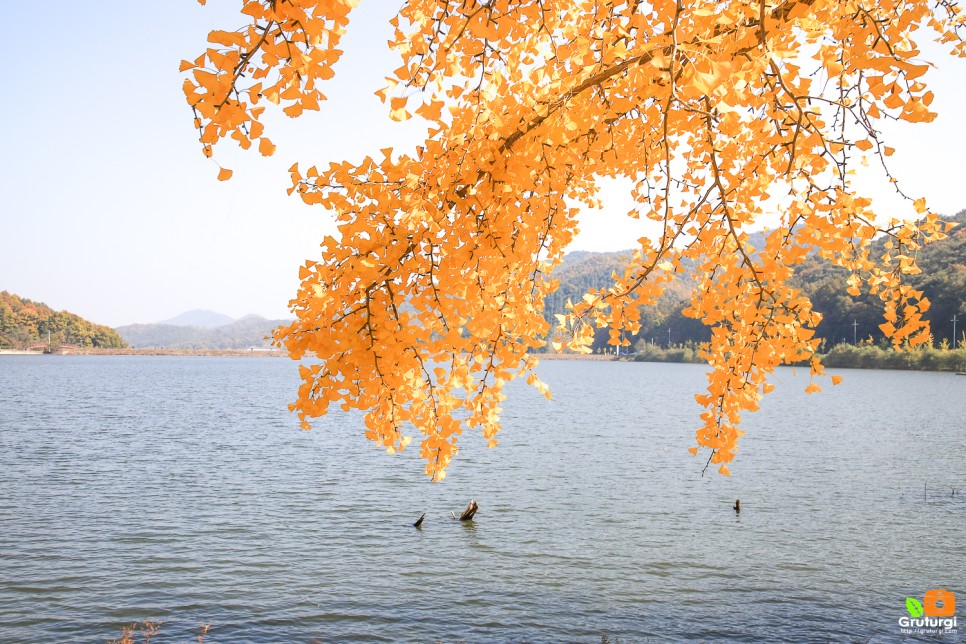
[430,298]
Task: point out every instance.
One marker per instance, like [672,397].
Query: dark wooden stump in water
[419,522]
[469,511]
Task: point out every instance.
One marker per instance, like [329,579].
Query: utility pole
[954,321]
[855,328]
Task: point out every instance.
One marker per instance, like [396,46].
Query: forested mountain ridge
[251,331]
[847,318]
[582,271]
[25,323]
[942,280]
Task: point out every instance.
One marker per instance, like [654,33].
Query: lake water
[181,489]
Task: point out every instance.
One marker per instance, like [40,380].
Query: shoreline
[263,353]
[598,357]
[154,352]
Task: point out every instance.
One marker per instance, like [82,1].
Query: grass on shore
[842,356]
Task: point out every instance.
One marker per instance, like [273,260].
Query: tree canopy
[720,113]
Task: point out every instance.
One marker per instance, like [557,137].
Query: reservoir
[180,489]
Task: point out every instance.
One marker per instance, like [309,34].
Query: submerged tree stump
[419,521]
[469,511]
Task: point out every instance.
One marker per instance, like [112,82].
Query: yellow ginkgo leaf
[224,174]
[266,147]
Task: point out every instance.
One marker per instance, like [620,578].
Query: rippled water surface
[181,489]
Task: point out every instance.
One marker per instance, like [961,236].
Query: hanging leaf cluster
[723,115]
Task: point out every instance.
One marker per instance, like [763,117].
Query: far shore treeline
[25,323]
[929,357]
[847,321]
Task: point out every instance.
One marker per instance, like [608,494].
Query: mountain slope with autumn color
[25,323]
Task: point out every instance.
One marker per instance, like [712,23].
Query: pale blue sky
[109,209]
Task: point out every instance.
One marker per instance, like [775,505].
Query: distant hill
[585,270]
[25,323]
[199,317]
[250,331]
[943,282]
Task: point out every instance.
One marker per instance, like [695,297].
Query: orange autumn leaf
[836,380]
[266,147]
[224,174]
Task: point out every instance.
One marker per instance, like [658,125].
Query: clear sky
[110,210]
